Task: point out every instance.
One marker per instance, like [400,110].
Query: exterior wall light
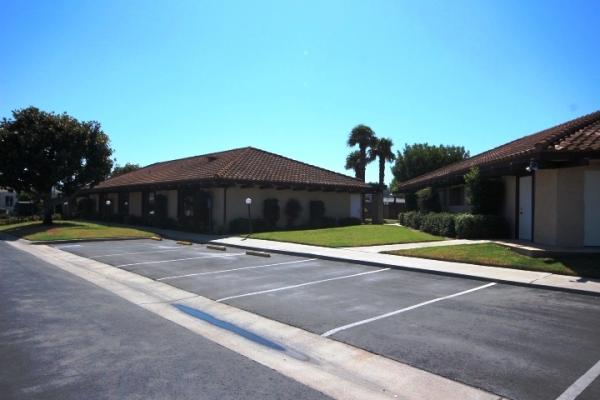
[533,166]
[108,202]
[248,201]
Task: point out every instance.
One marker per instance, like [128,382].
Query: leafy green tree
[473,189]
[40,151]
[484,195]
[364,137]
[382,151]
[353,162]
[121,170]
[420,158]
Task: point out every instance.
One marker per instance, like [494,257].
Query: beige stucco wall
[135,204]
[509,203]
[217,195]
[337,205]
[546,205]
[172,204]
[569,210]
[559,208]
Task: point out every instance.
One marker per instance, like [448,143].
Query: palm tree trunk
[381,171]
[363,162]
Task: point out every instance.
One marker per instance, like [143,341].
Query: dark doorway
[194,209]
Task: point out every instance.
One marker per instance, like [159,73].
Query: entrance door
[591,202]
[525,207]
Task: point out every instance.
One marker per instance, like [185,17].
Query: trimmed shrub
[271,211]
[478,226]
[412,219]
[441,224]
[240,225]
[327,222]
[428,200]
[349,221]
[293,208]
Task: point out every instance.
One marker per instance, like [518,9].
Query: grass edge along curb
[257,253]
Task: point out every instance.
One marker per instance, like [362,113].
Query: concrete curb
[216,247]
[414,269]
[257,253]
[50,242]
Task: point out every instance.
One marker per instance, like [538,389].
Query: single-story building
[551,183]
[205,193]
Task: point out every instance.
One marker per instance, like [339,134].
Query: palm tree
[382,149]
[363,136]
[353,162]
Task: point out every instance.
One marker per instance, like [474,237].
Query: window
[9,201]
[456,196]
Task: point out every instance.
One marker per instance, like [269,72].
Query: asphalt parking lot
[517,342]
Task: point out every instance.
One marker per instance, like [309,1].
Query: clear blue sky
[169,79]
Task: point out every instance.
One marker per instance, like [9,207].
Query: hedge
[479,226]
[463,226]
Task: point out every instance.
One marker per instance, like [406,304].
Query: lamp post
[249,203]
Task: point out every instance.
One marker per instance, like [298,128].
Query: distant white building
[8,199]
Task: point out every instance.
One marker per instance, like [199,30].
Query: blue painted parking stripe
[229,326]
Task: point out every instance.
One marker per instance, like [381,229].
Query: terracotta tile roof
[576,136]
[244,165]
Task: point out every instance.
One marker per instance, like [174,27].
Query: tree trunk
[363,162]
[381,171]
[48,208]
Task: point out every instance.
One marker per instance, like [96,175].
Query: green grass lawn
[500,256]
[350,236]
[71,230]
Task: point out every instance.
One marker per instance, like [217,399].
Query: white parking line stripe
[178,259]
[581,384]
[135,252]
[233,269]
[302,284]
[366,321]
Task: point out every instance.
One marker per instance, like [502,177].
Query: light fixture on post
[533,166]
[249,203]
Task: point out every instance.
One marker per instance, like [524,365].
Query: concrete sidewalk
[418,245]
[542,280]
